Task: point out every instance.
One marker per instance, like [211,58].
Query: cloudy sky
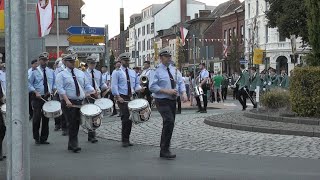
[101,12]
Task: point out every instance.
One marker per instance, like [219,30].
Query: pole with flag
[58,29]
[45,16]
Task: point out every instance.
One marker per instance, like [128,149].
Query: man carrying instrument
[166,84]
[254,82]
[283,80]
[95,78]
[42,84]
[2,101]
[106,78]
[73,86]
[124,83]
[34,65]
[144,81]
[243,87]
[203,78]
[273,79]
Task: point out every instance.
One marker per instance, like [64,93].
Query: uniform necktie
[128,82]
[45,81]
[171,78]
[93,83]
[75,83]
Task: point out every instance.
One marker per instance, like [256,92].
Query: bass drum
[140,110]
[91,116]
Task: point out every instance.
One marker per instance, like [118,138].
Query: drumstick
[43,99]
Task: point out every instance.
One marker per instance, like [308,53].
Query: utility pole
[106,49]
[58,30]
[122,38]
[18,157]
[194,56]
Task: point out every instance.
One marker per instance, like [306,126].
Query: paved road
[108,160]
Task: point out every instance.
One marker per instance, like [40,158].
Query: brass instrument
[144,80]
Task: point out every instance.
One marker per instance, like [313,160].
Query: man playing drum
[42,84]
[95,77]
[2,101]
[124,83]
[72,84]
[165,88]
[146,75]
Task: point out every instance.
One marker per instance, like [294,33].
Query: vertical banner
[1,16]
[258,56]
[45,16]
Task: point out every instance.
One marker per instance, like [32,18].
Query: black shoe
[44,142]
[178,112]
[37,142]
[255,106]
[199,110]
[203,111]
[75,150]
[64,133]
[2,158]
[93,140]
[57,128]
[114,113]
[126,144]
[167,155]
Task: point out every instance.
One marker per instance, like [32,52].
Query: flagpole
[58,28]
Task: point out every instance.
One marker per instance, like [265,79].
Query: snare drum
[106,106]
[3,111]
[140,110]
[52,109]
[91,116]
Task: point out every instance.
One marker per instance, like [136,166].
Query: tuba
[144,80]
[198,91]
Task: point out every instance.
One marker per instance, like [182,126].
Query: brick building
[114,43]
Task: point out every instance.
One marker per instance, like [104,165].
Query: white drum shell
[52,109]
[4,111]
[198,91]
[106,106]
[91,116]
[140,110]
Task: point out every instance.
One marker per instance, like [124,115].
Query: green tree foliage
[313,12]
[289,16]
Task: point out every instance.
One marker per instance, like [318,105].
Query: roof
[222,8]
[195,2]
[211,8]
[233,8]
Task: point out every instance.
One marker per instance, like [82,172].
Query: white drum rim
[110,102]
[146,103]
[44,107]
[3,108]
[90,115]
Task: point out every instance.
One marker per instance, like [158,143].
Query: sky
[98,13]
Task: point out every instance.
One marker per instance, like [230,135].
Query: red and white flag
[225,50]
[45,15]
[184,33]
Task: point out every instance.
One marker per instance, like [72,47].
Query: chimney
[188,18]
[196,16]
[204,13]
[183,10]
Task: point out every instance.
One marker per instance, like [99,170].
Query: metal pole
[18,161]
[194,56]
[207,57]
[58,33]
[107,56]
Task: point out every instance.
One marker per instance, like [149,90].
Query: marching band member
[34,65]
[165,91]
[283,79]
[124,83]
[254,82]
[243,87]
[106,78]
[60,122]
[2,97]
[203,78]
[273,79]
[95,78]
[146,72]
[71,84]
[42,84]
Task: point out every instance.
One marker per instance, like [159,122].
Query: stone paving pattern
[192,133]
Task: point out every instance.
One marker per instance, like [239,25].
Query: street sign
[258,56]
[243,61]
[86,39]
[86,30]
[87,49]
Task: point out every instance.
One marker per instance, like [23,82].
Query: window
[139,32]
[242,34]
[267,34]
[143,30]
[139,46]
[225,37]
[148,44]
[281,37]
[249,8]
[63,12]
[152,28]
[234,32]
[148,29]
[143,45]
[230,36]
[152,43]
[257,7]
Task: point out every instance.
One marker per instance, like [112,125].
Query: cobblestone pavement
[192,133]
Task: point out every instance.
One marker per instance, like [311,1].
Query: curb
[295,120]
[250,128]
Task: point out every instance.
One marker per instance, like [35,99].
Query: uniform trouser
[146,93]
[179,103]
[60,121]
[126,122]
[73,118]
[242,97]
[188,91]
[235,92]
[205,100]
[224,92]
[39,118]
[30,105]
[167,110]
[91,133]
[110,95]
[2,132]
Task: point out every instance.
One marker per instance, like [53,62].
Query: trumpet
[144,80]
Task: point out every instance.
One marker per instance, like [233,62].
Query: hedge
[305,91]
[275,99]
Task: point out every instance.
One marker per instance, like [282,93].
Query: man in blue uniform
[166,84]
[203,78]
[95,77]
[34,65]
[42,84]
[124,83]
[73,85]
[2,101]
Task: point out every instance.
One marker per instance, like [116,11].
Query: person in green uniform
[283,80]
[217,80]
[254,82]
[273,79]
[243,87]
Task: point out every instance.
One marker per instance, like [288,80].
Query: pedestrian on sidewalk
[203,83]
[217,80]
[224,86]
[187,83]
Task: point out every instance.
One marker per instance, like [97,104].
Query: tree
[234,56]
[180,57]
[313,11]
[289,16]
[111,63]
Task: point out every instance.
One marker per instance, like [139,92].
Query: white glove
[265,83]
[269,83]
[264,89]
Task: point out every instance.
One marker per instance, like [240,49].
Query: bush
[275,99]
[305,91]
